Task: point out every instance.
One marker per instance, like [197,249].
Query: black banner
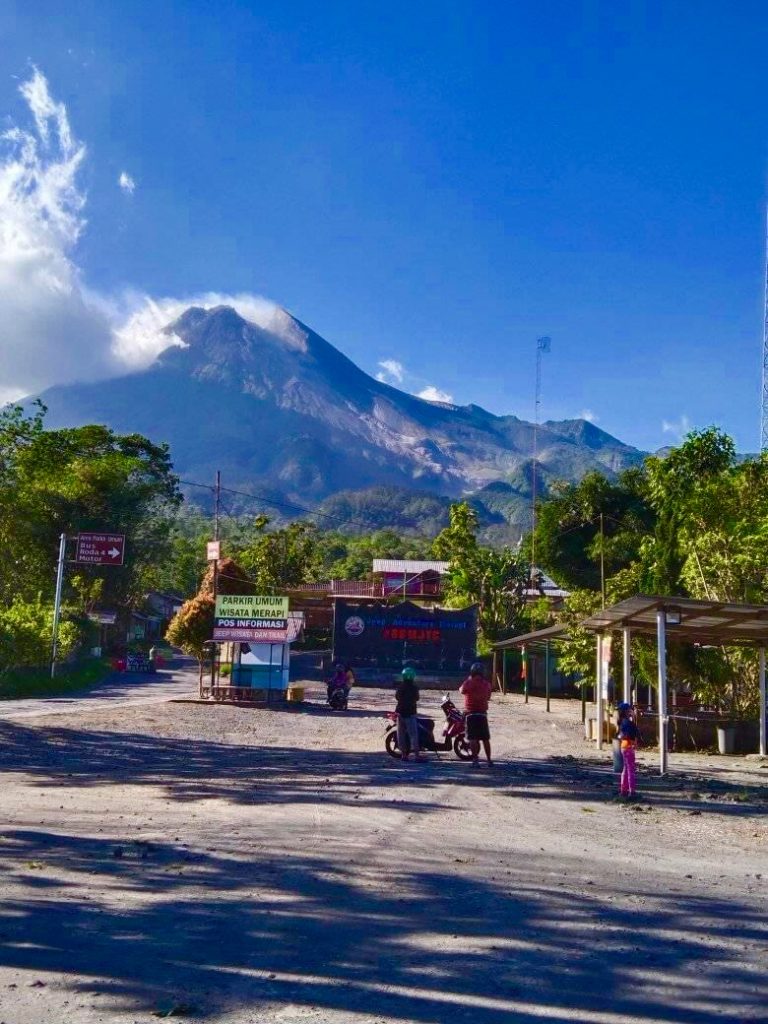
[388,636]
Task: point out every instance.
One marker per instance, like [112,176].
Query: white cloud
[391,371]
[48,330]
[432,394]
[139,319]
[394,373]
[53,328]
[679,428]
[589,416]
[126,183]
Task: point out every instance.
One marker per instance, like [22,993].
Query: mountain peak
[276,405]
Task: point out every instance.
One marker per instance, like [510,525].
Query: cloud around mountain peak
[54,328]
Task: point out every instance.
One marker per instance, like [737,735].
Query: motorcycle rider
[338,680]
[407,696]
[476,691]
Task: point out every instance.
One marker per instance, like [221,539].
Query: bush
[26,635]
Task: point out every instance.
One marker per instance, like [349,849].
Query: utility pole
[216,516]
[542,345]
[602,559]
[57,601]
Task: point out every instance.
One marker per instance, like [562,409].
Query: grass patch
[38,683]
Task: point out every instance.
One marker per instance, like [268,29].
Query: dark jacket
[407,695]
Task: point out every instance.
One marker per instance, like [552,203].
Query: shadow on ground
[419,945]
[191,770]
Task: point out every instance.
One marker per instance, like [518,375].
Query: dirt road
[275,866]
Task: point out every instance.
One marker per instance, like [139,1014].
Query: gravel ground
[242,865]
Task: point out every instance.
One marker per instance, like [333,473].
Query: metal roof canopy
[526,639]
[409,565]
[712,623]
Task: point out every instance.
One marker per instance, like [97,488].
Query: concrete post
[599,691]
[627,667]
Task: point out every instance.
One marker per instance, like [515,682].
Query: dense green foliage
[692,523]
[26,634]
[67,481]
[494,580]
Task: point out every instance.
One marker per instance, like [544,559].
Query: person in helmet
[407,696]
[338,680]
[476,691]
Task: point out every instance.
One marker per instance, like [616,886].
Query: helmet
[624,706]
[408,673]
[476,669]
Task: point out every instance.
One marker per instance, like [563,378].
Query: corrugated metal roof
[406,566]
[537,636]
[706,622]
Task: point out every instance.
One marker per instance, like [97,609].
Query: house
[410,577]
[163,603]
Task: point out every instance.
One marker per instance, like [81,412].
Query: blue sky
[437,184]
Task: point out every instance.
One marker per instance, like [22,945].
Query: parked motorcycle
[453,733]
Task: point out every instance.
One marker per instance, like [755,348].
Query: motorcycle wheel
[461,749]
[391,744]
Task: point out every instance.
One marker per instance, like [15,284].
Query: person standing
[407,696]
[629,735]
[476,691]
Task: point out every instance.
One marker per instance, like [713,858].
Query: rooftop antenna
[542,345]
[764,403]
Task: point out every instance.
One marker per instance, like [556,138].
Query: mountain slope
[281,408]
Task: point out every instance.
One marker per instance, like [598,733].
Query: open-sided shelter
[708,623]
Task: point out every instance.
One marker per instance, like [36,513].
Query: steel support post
[627,667]
[763,723]
[661,650]
[599,690]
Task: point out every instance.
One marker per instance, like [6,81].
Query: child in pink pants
[628,737]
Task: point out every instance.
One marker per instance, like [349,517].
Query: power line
[287,505]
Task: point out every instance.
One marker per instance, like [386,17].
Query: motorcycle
[453,734]
[338,698]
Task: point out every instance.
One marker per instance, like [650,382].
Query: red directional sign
[100,548]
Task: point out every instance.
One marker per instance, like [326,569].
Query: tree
[495,581]
[457,543]
[569,542]
[26,635]
[339,556]
[191,628]
[577,650]
[86,478]
[704,457]
[230,579]
[279,559]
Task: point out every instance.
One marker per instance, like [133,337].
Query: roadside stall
[251,641]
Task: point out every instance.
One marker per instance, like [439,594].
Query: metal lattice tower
[542,345]
[764,403]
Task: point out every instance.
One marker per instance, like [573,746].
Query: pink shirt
[476,692]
